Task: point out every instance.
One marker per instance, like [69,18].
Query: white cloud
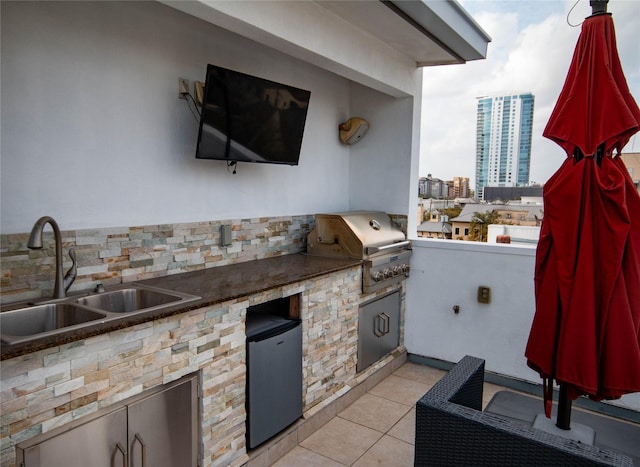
[531,50]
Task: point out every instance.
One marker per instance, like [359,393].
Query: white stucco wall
[93,132]
[520,234]
[380,163]
[445,273]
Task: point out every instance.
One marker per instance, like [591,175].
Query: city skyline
[532,46]
[434,187]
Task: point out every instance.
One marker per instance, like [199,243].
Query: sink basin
[135,298]
[36,321]
[31,323]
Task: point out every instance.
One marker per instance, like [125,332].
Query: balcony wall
[445,273]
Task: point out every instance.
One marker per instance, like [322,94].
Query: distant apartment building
[459,188]
[632,161]
[429,187]
[503,141]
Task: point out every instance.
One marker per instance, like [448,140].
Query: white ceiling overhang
[376,43]
[431,33]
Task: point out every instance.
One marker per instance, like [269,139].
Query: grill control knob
[405,268]
[396,270]
[387,273]
[377,276]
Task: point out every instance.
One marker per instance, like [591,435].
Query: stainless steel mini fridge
[274,375]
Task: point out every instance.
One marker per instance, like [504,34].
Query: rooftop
[378,428]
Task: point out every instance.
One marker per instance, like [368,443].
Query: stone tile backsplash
[124,254]
[52,387]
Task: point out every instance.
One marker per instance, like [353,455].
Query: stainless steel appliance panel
[274,375]
[378,329]
[368,235]
[355,234]
[163,428]
[159,427]
[106,435]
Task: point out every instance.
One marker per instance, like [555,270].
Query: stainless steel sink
[135,298]
[36,321]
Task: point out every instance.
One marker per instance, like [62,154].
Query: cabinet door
[100,442]
[163,427]
[378,329]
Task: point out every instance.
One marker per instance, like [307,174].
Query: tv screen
[250,119]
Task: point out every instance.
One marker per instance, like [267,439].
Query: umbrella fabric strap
[547,392]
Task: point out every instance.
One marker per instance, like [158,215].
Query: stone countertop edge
[214,285]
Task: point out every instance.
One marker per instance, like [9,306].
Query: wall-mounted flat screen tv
[250,119]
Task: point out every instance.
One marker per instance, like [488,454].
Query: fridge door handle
[143,447]
[120,448]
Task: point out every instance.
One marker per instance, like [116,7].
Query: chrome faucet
[35,243]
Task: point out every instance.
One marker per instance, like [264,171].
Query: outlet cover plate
[484,294]
[183,88]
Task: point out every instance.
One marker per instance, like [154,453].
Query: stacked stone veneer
[122,254]
[46,389]
[49,388]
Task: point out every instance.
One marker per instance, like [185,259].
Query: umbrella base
[578,432]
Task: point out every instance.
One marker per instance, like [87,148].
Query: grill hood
[355,234]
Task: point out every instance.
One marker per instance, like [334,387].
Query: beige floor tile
[341,440]
[402,390]
[420,373]
[405,429]
[303,457]
[488,391]
[356,435]
[388,452]
[375,412]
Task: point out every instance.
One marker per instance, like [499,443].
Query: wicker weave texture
[451,430]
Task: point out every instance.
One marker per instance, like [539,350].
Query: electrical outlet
[484,294]
[183,88]
[225,235]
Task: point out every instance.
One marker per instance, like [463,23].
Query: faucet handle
[70,276]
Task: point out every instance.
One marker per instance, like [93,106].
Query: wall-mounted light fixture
[353,130]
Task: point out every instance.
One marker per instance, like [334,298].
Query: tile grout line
[381,434]
[385,433]
[369,449]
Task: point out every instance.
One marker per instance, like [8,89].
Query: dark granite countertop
[213,285]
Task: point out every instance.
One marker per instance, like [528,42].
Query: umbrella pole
[564,409]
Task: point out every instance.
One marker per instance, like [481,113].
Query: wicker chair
[452,430]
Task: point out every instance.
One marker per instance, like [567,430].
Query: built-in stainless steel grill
[368,235]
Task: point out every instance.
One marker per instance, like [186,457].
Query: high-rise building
[460,187]
[503,141]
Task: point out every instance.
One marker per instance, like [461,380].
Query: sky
[531,49]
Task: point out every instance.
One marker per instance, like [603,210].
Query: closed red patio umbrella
[586,328]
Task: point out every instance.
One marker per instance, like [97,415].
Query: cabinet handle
[143,447]
[381,326]
[385,321]
[122,451]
